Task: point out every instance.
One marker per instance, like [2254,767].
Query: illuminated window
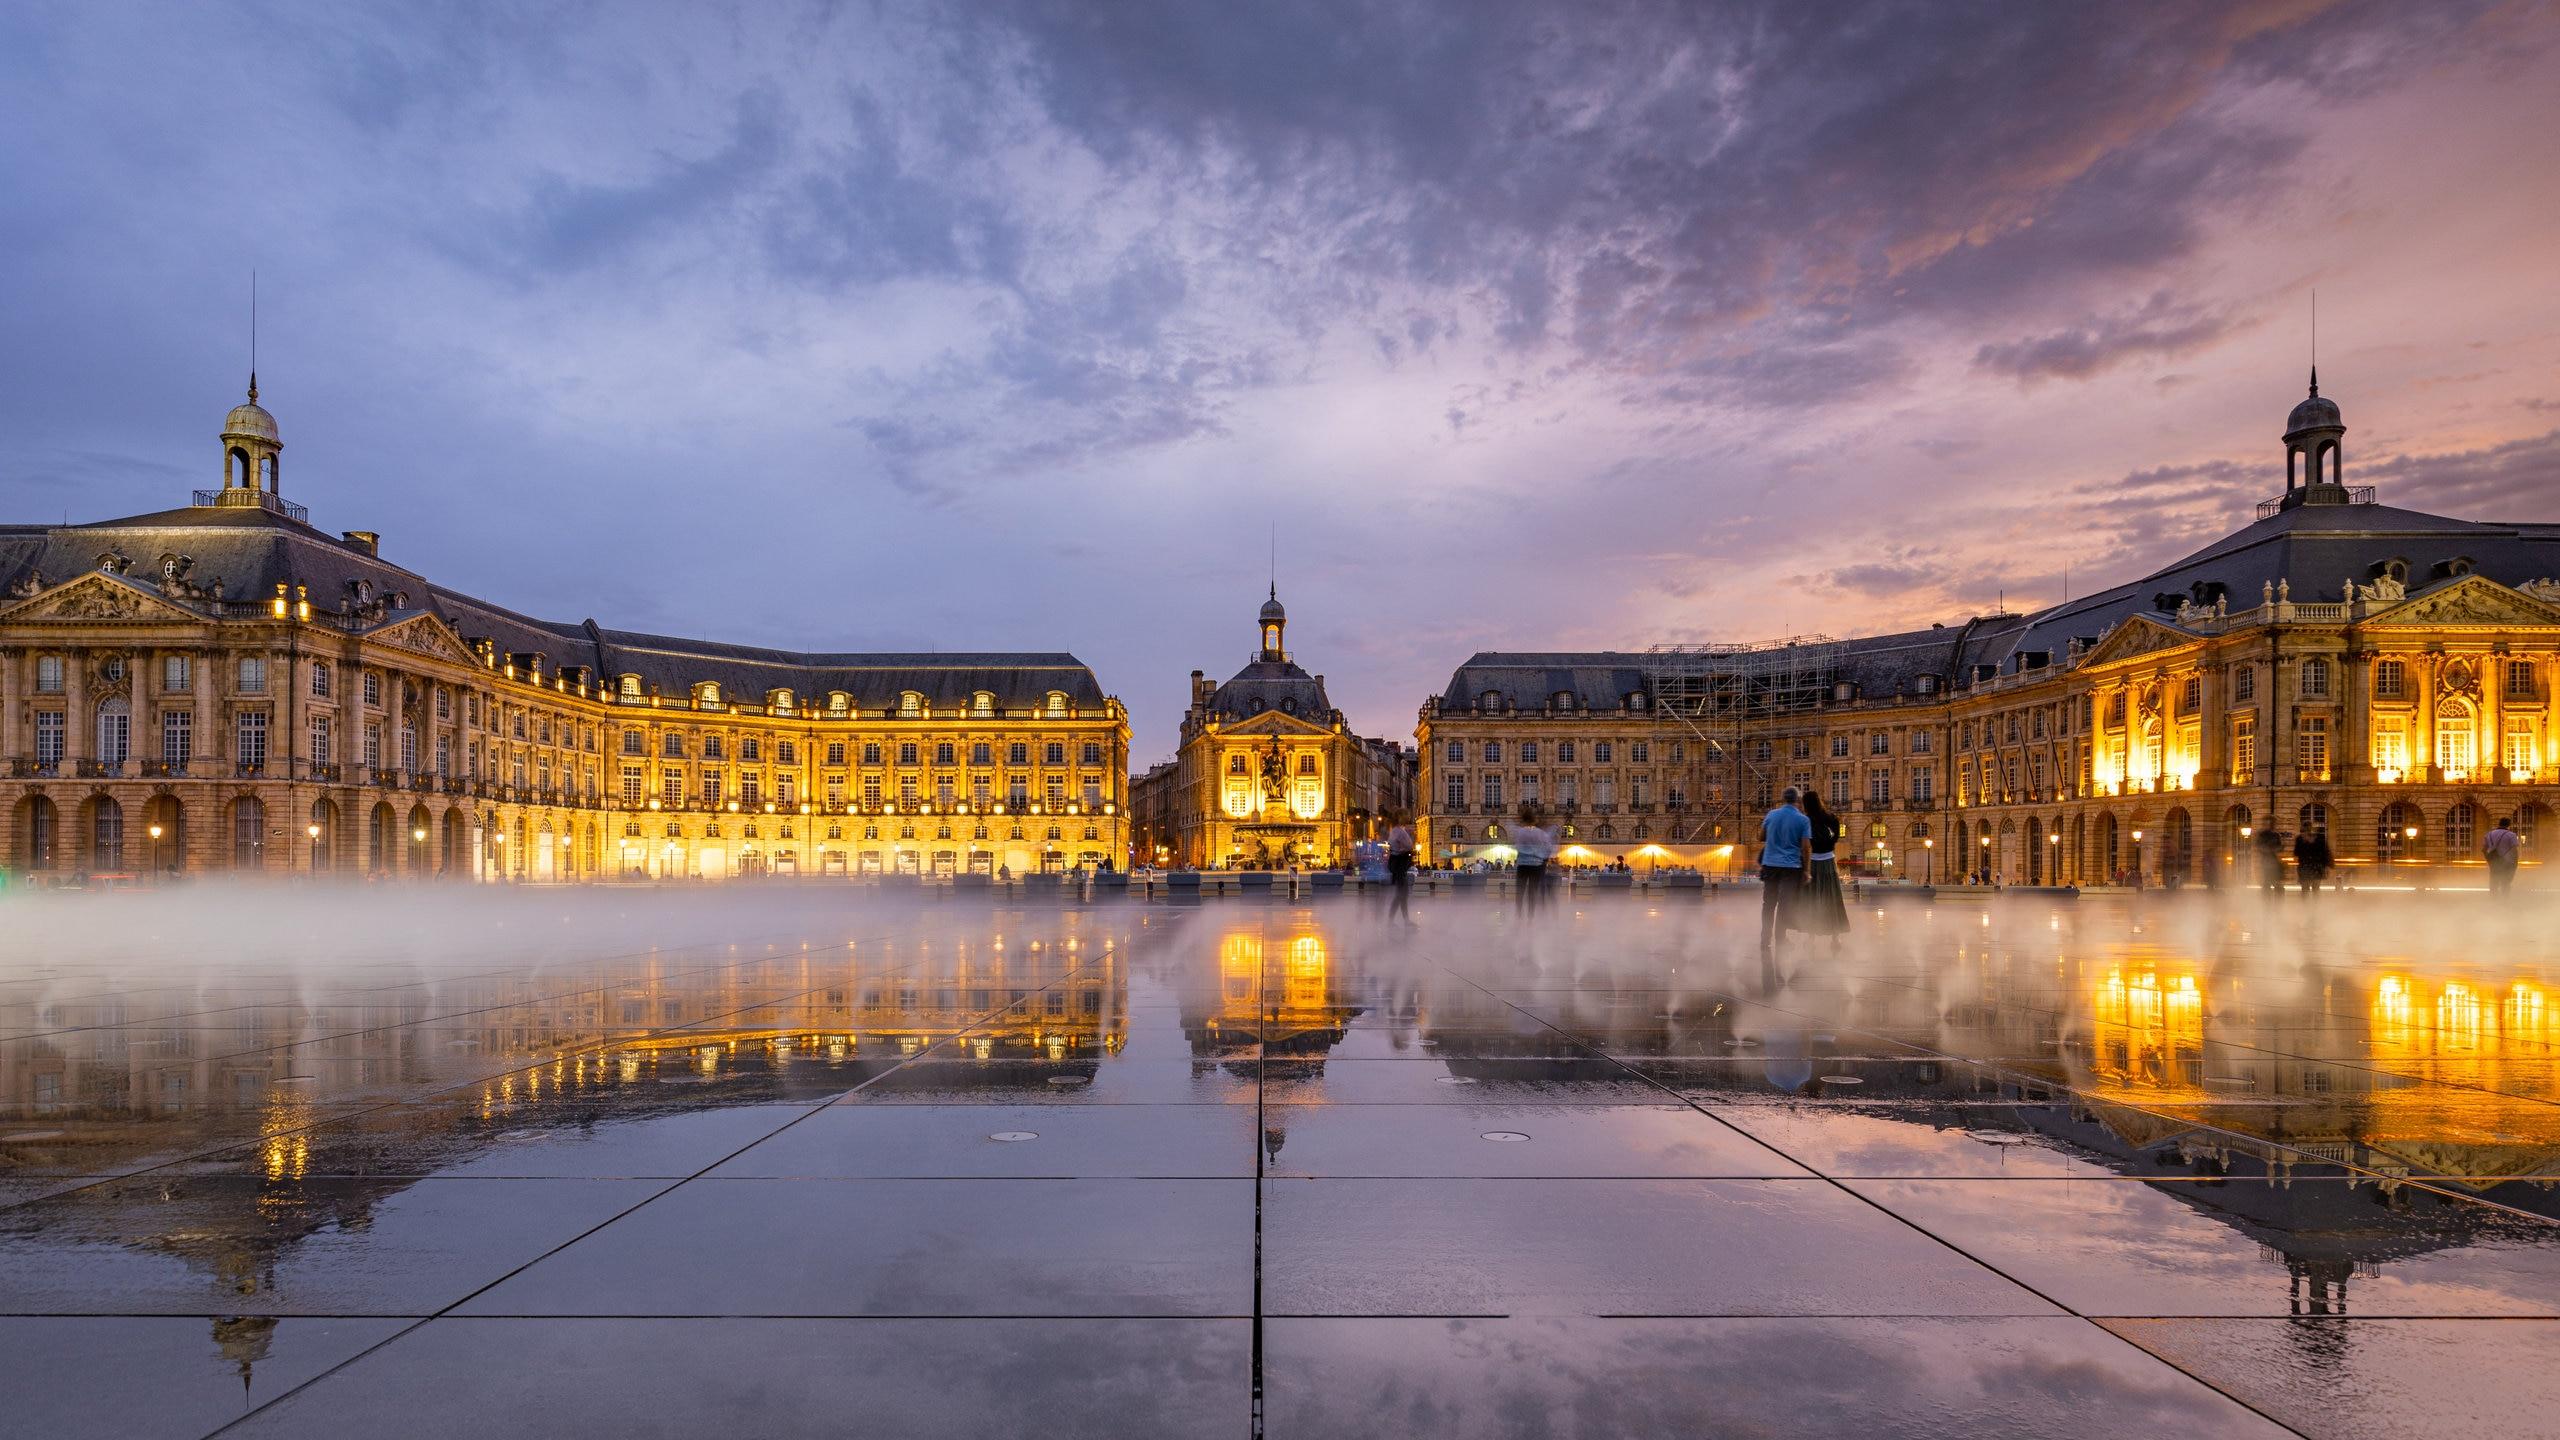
[910,705]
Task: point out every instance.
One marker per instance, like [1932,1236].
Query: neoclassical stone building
[2379,674]
[223,688]
[1268,774]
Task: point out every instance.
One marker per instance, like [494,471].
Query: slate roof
[1272,685]
[2319,549]
[249,550]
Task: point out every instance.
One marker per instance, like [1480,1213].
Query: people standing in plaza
[1400,870]
[1821,910]
[1532,846]
[2311,860]
[2502,847]
[1783,860]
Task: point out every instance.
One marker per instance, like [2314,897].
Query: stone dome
[2316,412]
[1272,610]
[250,420]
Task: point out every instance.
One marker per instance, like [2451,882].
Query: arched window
[2313,818]
[2391,833]
[838,702]
[2457,739]
[1057,703]
[910,705]
[982,704]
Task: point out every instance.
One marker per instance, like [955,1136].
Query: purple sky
[1018,326]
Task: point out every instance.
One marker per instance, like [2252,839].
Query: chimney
[365,540]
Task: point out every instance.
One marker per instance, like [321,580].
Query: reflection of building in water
[170,1071]
[1275,996]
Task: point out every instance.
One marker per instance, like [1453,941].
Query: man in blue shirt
[1786,858]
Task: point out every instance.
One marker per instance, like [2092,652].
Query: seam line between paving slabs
[343,1117]
[1587,1048]
[655,1195]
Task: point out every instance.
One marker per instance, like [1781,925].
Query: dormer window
[982,704]
[779,701]
[1492,700]
[707,695]
[1926,684]
[838,702]
[1057,704]
[910,705]
[1564,700]
[629,688]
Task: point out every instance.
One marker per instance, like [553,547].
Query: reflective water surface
[659,1160]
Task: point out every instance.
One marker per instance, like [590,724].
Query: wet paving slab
[779,1157]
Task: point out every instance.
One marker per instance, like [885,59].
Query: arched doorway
[248,833]
[2031,835]
[105,832]
[322,836]
[2459,836]
[2391,833]
[2079,848]
[2110,856]
[382,830]
[2178,847]
[421,833]
[41,824]
[164,829]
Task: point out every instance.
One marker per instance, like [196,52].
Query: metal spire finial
[253,337]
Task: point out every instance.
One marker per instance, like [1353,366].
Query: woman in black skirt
[1820,910]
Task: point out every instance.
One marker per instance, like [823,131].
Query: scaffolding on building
[1722,707]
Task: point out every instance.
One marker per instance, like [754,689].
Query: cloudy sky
[1023,326]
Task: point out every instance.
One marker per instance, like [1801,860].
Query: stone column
[2428,670]
[2490,734]
[80,718]
[2351,752]
[2213,730]
[13,699]
[210,758]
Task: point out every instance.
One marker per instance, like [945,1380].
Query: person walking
[1400,870]
[1532,846]
[1783,860]
[1821,910]
[2502,847]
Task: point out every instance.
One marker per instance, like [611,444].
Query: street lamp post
[2137,859]
[2053,858]
[2417,876]
[418,835]
[1986,860]
[1929,847]
[156,867]
[313,830]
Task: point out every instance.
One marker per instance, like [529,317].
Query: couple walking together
[1799,874]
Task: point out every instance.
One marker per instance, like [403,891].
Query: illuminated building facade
[1268,774]
[2381,675]
[222,687]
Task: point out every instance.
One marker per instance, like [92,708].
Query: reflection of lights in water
[1057,1047]
[630,1067]
[983,1047]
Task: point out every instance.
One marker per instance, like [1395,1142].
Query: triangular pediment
[2137,635]
[2471,600]
[95,599]
[425,634]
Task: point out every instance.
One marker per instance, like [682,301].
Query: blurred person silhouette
[1400,870]
[2502,847]
[2270,852]
[2311,860]
[1532,847]
[1820,910]
[1784,859]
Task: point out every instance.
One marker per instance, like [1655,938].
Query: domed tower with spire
[2313,458]
[1275,622]
[252,453]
